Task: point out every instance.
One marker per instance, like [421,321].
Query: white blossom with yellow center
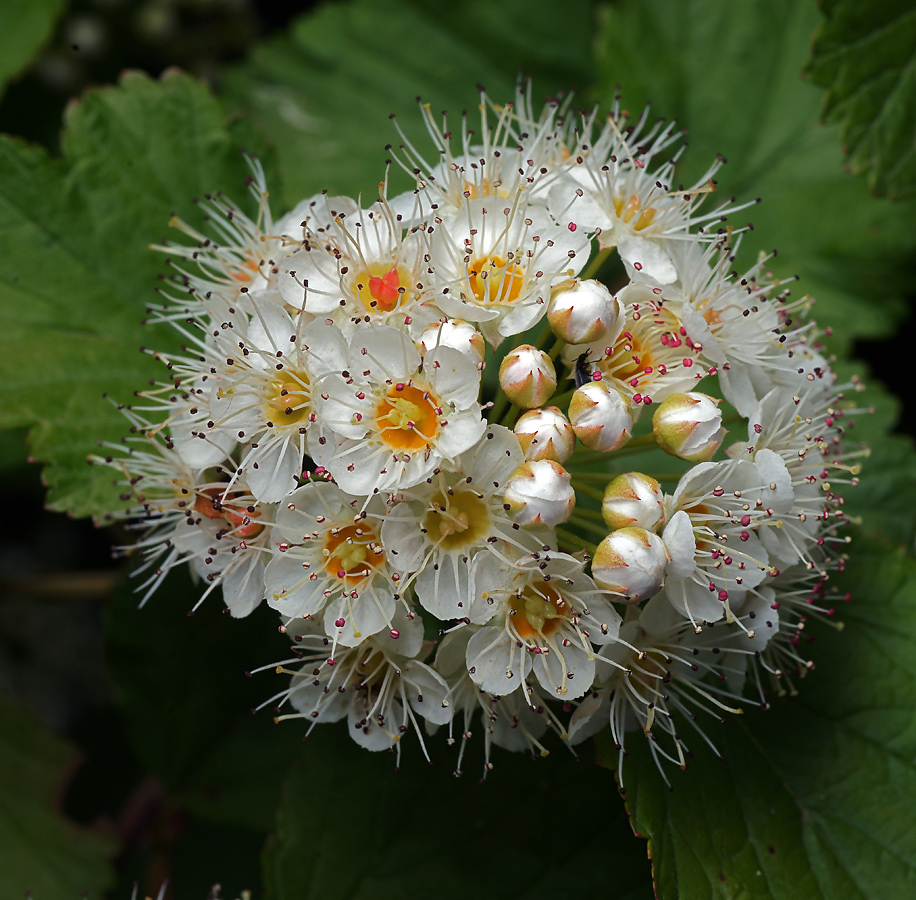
[541,613]
[391,417]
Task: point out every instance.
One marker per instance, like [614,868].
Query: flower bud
[585,312]
[459,335]
[528,376]
[545,434]
[600,416]
[689,426]
[630,561]
[539,494]
[633,499]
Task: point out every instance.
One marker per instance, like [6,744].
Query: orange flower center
[407,418]
[632,212]
[538,613]
[207,503]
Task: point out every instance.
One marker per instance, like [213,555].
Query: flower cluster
[466,440]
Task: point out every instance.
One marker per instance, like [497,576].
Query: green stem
[576,521]
[574,541]
[592,268]
[586,489]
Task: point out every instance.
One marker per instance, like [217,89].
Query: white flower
[206,518]
[516,722]
[519,151]
[377,686]
[712,535]
[497,264]
[391,417]
[360,268]
[331,564]
[652,356]
[439,525]
[612,189]
[541,614]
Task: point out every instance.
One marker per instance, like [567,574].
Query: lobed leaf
[865,57]
[75,271]
[811,799]
[734,80]
[323,94]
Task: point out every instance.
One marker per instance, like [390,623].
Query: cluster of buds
[448,547]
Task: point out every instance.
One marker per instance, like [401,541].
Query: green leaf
[323,95]
[813,798]
[180,683]
[25,26]
[885,498]
[865,56]
[75,272]
[40,850]
[351,826]
[732,76]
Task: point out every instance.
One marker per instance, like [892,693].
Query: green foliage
[324,93]
[865,56]
[75,272]
[40,850]
[191,722]
[25,26]
[351,826]
[813,798]
[734,80]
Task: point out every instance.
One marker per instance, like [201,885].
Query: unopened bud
[545,434]
[633,499]
[600,416]
[585,312]
[630,562]
[689,426]
[459,335]
[528,377]
[539,494]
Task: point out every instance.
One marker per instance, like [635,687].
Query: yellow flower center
[288,399]
[632,208]
[408,417]
[495,280]
[352,553]
[457,521]
[538,612]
